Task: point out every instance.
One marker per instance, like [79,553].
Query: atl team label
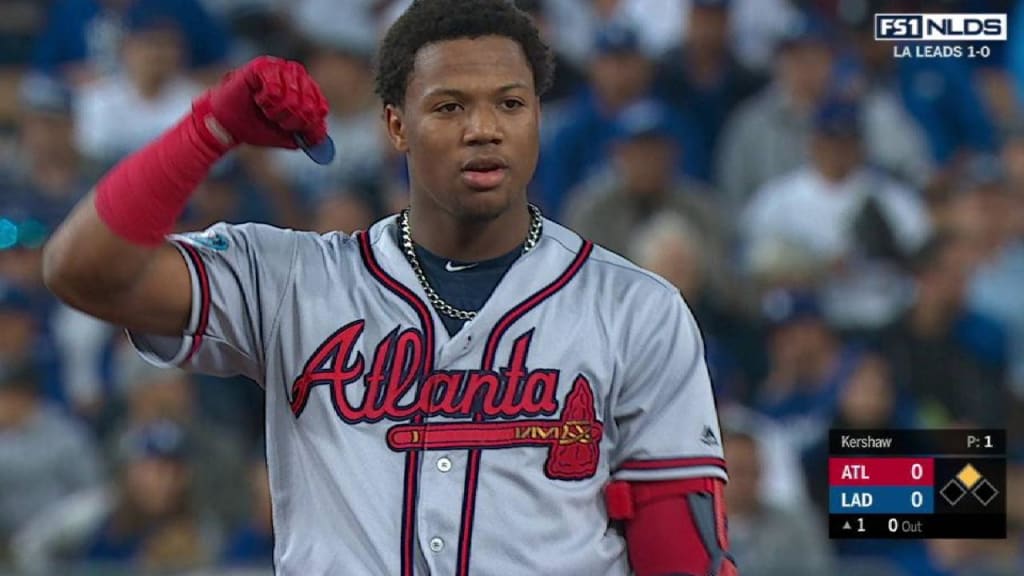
[881,472]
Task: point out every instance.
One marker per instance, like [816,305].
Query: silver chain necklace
[536,225]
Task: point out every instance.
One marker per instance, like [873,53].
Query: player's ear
[396,127]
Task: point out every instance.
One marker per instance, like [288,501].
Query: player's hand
[268,102]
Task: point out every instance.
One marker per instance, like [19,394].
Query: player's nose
[482,127]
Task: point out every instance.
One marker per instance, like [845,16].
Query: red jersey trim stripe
[487,363]
[204,298]
[412,463]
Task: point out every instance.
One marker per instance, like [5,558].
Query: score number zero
[908,526]
[916,500]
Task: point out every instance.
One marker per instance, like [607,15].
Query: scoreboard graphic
[917,484]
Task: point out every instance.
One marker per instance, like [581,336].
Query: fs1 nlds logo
[941,27]
[945,28]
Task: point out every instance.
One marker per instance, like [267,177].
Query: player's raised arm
[110,258]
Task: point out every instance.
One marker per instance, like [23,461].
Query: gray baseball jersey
[395,448]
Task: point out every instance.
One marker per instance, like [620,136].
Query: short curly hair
[428,21]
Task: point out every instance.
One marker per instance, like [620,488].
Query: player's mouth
[484,172]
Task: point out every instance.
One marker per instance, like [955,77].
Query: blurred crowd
[847,226]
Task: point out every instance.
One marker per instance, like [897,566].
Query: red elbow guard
[673,527]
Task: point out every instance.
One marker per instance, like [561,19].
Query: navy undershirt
[467,288]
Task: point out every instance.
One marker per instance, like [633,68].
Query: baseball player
[465,388]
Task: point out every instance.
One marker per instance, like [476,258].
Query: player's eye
[512,103]
[449,108]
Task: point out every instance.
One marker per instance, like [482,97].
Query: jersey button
[436,544]
[444,464]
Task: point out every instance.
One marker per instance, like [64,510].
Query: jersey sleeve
[239,276]
[665,414]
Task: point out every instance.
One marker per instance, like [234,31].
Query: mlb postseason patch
[208,239]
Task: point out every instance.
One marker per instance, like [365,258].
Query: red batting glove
[267,102]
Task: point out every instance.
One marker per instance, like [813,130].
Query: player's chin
[476,204]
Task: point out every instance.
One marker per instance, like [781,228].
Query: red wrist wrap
[142,197]
[673,526]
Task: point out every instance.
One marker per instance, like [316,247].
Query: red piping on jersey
[204,298]
[412,458]
[521,309]
[665,464]
[491,350]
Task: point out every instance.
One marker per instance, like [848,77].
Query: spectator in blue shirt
[82,38]
[808,366]
[942,95]
[620,75]
[703,77]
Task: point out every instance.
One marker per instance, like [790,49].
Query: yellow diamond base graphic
[969,476]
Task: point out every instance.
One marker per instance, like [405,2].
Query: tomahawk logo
[939,27]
